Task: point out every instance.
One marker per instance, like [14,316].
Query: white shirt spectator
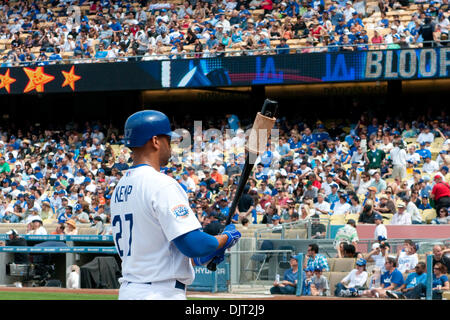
[363,186]
[415,157]
[401,219]
[425,137]
[430,167]
[398,157]
[413,211]
[348,13]
[380,230]
[352,279]
[341,208]
[407,262]
[324,206]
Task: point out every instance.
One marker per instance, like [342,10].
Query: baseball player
[156,234]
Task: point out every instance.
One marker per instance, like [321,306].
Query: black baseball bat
[269,109]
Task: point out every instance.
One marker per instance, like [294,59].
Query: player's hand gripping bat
[257,144]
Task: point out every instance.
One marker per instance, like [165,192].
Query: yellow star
[37,79]
[6,81]
[70,78]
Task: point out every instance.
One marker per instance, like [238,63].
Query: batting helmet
[144,125]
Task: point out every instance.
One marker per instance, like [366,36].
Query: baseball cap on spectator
[445,168]
[378,217]
[372,189]
[276,217]
[375,245]
[438,176]
[361,262]
[12,231]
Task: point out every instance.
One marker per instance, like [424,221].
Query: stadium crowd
[45,32]
[372,171]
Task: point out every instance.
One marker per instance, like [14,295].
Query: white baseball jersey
[148,210]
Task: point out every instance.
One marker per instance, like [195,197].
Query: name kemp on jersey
[121,193]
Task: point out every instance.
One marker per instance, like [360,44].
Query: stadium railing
[226,53]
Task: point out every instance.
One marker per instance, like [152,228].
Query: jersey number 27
[118,220]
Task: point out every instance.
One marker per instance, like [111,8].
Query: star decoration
[70,78]
[6,81]
[37,79]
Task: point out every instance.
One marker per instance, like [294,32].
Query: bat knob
[212,266]
[269,108]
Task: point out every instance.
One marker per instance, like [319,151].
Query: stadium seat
[344,264]
[337,219]
[353,216]
[87,230]
[295,234]
[334,278]
[428,215]
[331,263]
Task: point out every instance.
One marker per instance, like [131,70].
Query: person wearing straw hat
[71,227]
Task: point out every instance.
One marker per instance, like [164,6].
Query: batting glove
[233,235]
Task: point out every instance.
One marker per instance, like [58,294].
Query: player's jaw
[165,151]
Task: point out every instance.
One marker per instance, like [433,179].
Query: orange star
[6,81]
[71,78]
[37,79]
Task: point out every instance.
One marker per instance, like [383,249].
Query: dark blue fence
[329,67]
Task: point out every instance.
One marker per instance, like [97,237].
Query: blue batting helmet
[144,125]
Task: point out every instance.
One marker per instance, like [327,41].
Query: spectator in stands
[59,229]
[439,255]
[385,206]
[411,208]
[319,284]
[354,281]
[347,233]
[392,279]
[15,240]
[379,254]
[321,206]
[440,193]
[318,230]
[407,257]
[440,280]
[289,283]
[99,225]
[341,207]
[401,217]
[36,226]
[315,259]
[368,213]
[71,227]
[442,217]
[414,286]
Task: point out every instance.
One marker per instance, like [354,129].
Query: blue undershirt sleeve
[196,243]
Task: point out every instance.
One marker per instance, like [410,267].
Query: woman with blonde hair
[304,211]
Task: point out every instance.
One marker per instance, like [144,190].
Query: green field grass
[14,295]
